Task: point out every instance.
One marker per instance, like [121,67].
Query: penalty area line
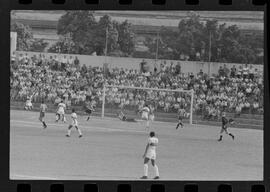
[26,123]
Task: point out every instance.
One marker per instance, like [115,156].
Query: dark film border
[134,186]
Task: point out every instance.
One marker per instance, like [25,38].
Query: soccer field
[112,150]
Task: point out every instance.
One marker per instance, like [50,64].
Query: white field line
[31,177]
[102,129]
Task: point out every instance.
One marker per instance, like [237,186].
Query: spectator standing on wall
[178,68]
[245,71]
[142,66]
[251,72]
[233,72]
[226,70]
[76,61]
[221,71]
[200,74]
[239,73]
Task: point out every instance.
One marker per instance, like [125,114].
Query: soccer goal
[166,102]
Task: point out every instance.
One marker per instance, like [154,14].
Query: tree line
[80,33]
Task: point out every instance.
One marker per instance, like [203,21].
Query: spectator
[233,72]
[221,71]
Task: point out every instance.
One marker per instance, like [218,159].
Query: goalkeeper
[123,117]
[224,127]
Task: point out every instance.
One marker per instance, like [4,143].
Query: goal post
[105,93]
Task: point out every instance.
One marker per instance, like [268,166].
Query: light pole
[157,49]
[105,65]
[209,54]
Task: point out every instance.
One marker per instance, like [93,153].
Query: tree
[80,25]
[190,35]
[24,36]
[106,26]
[126,39]
[38,45]
[64,45]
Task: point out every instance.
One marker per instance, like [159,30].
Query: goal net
[166,102]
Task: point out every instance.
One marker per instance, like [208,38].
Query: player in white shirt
[61,112]
[145,115]
[43,108]
[74,123]
[150,154]
[28,103]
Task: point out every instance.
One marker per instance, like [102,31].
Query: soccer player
[151,113]
[224,127]
[28,103]
[61,112]
[74,123]
[181,115]
[145,115]
[89,108]
[150,154]
[123,117]
[43,108]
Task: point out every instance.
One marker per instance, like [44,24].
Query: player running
[43,108]
[150,154]
[74,123]
[89,108]
[224,127]
[181,115]
[61,112]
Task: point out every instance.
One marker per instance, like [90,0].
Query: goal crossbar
[191,92]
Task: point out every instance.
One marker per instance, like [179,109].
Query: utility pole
[209,56]
[105,65]
[157,49]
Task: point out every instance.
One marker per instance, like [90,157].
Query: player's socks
[69,130]
[231,135]
[156,170]
[64,119]
[57,118]
[44,124]
[80,132]
[145,170]
[220,138]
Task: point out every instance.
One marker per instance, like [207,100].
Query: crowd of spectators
[238,90]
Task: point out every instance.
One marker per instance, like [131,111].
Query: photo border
[37,185]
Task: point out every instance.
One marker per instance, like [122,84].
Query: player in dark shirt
[224,127]
[181,115]
[123,117]
[89,108]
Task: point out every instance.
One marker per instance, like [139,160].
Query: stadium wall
[134,63]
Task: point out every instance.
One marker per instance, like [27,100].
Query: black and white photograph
[136,95]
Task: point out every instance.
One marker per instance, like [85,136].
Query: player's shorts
[89,111]
[144,116]
[41,115]
[151,155]
[152,117]
[74,123]
[28,104]
[61,112]
[180,119]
